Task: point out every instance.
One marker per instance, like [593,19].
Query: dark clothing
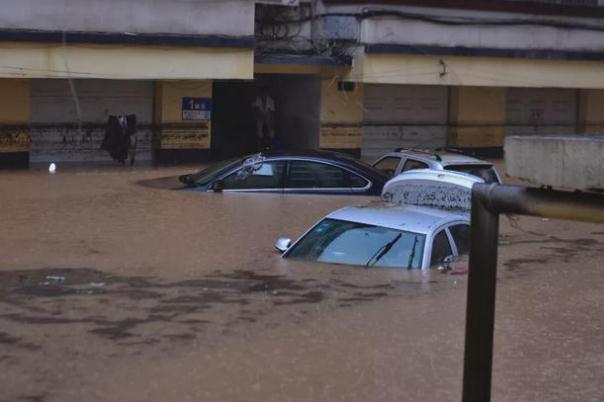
[117,136]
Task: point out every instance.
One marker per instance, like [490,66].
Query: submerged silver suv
[402,160]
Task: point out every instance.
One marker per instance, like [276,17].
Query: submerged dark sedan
[316,172]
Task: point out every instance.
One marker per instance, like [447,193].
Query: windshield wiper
[383,250]
[412,255]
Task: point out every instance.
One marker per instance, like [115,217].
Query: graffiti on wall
[197,137]
[14,140]
[69,144]
[341,136]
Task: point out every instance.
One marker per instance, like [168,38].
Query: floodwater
[114,288]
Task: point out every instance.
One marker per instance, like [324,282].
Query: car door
[309,176]
[265,176]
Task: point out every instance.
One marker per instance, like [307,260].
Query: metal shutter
[54,132]
[403,116]
[541,111]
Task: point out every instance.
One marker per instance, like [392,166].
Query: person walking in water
[264,112]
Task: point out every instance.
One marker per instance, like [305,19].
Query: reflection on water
[114,288]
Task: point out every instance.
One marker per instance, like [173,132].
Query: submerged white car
[424,221]
[385,236]
[405,160]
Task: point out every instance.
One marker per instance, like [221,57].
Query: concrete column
[182,129]
[341,115]
[477,117]
[591,111]
[15,116]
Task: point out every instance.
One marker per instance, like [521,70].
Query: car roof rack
[457,151]
[420,151]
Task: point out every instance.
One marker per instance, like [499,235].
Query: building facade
[356,76]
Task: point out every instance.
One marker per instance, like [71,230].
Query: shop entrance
[296,118]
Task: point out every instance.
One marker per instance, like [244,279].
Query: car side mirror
[449,259]
[186,179]
[282,244]
[446,263]
[217,186]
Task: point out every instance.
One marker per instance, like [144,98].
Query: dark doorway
[297,113]
[232,118]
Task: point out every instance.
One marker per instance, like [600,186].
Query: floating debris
[55,278]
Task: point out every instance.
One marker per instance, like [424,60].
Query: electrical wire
[72,88]
[375,13]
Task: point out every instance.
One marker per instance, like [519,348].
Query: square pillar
[182,117]
[341,116]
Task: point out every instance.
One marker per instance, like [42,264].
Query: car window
[352,243]
[412,164]
[486,172]
[261,175]
[440,248]
[357,181]
[461,237]
[209,173]
[388,165]
[307,174]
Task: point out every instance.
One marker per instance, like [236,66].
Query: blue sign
[196,108]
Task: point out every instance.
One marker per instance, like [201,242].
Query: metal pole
[488,201]
[480,311]
[587,207]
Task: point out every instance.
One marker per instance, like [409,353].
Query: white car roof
[447,158]
[431,188]
[408,217]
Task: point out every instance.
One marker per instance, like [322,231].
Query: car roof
[446,158]
[407,217]
[313,153]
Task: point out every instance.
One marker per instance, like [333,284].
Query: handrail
[488,201]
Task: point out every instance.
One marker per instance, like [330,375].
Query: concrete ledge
[571,162]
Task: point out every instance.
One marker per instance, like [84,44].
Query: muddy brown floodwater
[114,288]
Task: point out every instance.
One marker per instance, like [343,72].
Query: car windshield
[207,174]
[351,243]
[486,172]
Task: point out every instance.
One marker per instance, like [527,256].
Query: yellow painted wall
[176,133]
[476,71]
[48,60]
[477,116]
[591,111]
[341,116]
[14,112]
